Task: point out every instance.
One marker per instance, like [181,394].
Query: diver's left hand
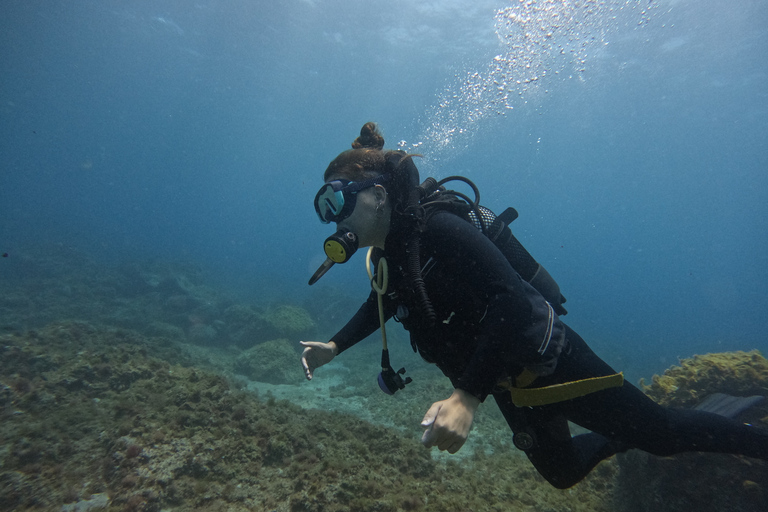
[448,421]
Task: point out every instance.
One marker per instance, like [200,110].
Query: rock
[275,362]
[291,322]
[248,325]
[700,481]
[95,502]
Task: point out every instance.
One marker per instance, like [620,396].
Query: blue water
[631,137]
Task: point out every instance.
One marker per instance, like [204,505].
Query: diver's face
[370,218]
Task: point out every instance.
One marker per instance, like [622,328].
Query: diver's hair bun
[369,137]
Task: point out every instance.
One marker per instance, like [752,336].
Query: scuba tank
[496,228]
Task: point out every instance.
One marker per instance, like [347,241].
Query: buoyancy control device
[496,228]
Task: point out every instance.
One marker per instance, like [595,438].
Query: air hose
[389,380]
[379,283]
[414,268]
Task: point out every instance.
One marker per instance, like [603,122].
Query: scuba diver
[479,307]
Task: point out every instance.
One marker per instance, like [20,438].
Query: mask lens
[329,201]
[335,200]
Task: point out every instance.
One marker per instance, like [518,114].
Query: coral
[164,330]
[157,299]
[273,361]
[122,412]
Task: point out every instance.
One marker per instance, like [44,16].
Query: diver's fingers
[310,344]
[455,447]
[431,415]
[444,441]
[305,363]
[429,438]
[316,354]
[307,371]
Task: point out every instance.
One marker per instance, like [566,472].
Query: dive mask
[335,201]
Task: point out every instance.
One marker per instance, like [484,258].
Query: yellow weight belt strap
[531,397]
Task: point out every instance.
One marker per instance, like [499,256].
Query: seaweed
[701,481]
[103,414]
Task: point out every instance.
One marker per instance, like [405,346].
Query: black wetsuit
[490,324]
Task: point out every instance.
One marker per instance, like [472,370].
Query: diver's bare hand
[315,355]
[448,421]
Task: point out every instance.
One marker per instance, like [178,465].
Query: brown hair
[368,159]
[365,160]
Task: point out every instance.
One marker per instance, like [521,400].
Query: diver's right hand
[315,355]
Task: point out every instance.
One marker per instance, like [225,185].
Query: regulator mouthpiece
[339,247]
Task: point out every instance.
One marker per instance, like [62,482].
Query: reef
[142,388]
[157,298]
[733,373]
[275,362]
[108,419]
[701,481]
[248,324]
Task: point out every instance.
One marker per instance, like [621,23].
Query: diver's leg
[626,414]
[619,418]
[562,460]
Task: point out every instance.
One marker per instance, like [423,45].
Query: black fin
[728,405]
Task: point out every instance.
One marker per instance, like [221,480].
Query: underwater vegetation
[126,389]
[698,481]
[162,299]
[98,417]
[273,361]
[733,373]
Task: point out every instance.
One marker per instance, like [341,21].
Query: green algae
[134,406]
[701,481]
[290,321]
[248,325]
[89,411]
[155,299]
[275,362]
[734,373]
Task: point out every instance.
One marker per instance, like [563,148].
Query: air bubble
[541,41]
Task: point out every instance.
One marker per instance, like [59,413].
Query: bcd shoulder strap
[496,228]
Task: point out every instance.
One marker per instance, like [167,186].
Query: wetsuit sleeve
[360,326]
[500,338]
